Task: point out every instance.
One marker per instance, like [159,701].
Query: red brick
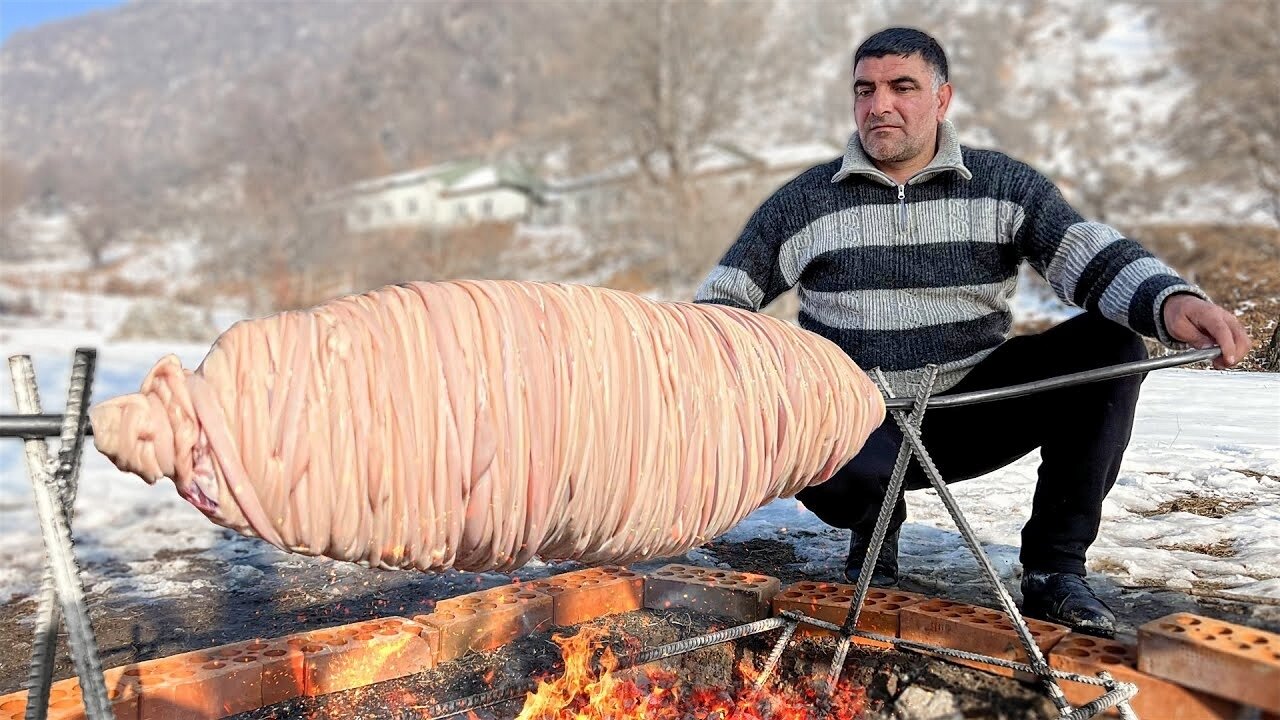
[830,602]
[364,653]
[744,596]
[1156,698]
[283,670]
[199,685]
[584,595]
[974,629]
[486,620]
[1230,661]
[66,702]
[13,706]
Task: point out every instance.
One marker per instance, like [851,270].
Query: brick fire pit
[386,667]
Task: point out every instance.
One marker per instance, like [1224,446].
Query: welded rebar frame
[54,482]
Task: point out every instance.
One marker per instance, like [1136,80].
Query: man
[906,253]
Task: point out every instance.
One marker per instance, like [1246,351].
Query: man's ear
[944,100]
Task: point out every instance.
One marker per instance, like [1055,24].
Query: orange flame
[585,693]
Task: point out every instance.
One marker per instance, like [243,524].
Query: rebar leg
[66,477]
[52,495]
[1037,661]
[899,475]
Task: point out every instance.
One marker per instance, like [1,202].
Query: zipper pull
[902,208]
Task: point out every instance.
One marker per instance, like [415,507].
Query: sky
[22,14]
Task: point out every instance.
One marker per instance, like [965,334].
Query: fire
[590,690]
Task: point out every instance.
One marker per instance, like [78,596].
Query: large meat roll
[473,425]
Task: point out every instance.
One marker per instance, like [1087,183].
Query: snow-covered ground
[1198,433]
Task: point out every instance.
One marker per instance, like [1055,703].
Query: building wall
[496,205]
[407,206]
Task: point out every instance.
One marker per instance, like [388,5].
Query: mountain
[132,100]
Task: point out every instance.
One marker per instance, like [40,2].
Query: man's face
[896,107]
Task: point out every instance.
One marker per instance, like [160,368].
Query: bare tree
[96,230]
[1229,131]
[662,80]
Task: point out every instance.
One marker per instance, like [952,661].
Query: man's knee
[1113,343]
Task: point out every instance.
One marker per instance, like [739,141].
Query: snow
[479,179]
[1197,433]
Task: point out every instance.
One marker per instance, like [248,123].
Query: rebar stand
[54,482]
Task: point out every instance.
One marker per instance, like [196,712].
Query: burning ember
[589,690]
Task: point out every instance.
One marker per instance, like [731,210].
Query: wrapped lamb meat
[475,424]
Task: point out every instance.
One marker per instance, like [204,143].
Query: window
[387,210]
[486,208]
[411,206]
[460,211]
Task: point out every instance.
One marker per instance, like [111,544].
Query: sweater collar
[947,158]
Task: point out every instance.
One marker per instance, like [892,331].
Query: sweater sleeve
[751,274]
[1091,265]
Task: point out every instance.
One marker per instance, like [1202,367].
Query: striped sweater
[903,276]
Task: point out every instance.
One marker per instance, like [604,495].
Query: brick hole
[494,606]
[1187,621]
[13,705]
[349,632]
[625,574]
[792,594]
[387,632]
[276,652]
[893,606]
[807,586]
[1076,652]
[446,616]
[980,621]
[1109,659]
[590,581]
[363,637]
[244,659]
[955,615]
[312,648]
[1224,631]
[878,594]
[180,673]
[718,574]
[227,652]
[215,665]
[664,573]
[255,647]
[1242,646]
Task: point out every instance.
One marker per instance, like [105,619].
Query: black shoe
[885,572]
[1066,599]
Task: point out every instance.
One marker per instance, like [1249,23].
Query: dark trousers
[1082,432]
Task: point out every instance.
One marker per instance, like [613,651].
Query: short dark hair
[905,42]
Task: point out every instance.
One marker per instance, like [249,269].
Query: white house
[448,195]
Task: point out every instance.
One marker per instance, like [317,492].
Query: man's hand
[1202,324]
